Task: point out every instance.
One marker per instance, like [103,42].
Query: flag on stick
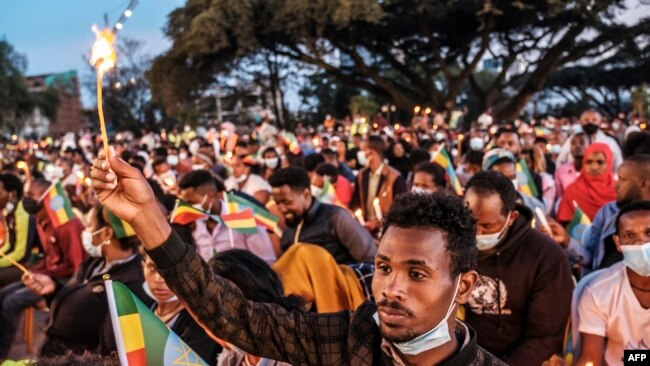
[579,223]
[525,179]
[57,204]
[184,213]
[141,337]
[243,221]
[121,228]
[442,158]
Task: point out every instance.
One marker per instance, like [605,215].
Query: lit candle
[359,214]
[416,110]
[427,111]
[375,205]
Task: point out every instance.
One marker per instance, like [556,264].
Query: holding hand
[126,193]
[558,233]
[39,283]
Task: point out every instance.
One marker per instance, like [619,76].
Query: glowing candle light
[375,205]
[103,57]
[359,215]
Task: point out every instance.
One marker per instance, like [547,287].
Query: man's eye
[416,275]
[384,268]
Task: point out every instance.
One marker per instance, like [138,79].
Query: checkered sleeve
[266,330]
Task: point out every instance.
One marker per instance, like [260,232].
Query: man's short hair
[503,130]
[418,156]
[329,153]
[642,162]
[294,177]
[491,182]
[631,207]
[443,212]
[11,183]
[433,170]
[158,162]
[311,161]
[326,169]
[636,143]
[376,143]
[197,178]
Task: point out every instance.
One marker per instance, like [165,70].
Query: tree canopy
[407,51]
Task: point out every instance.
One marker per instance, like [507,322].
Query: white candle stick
[375,205]
[359,214]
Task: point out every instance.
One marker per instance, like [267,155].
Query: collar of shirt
[379,170]
[462,334]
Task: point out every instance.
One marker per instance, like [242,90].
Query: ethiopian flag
[57,204]
[328,195]
[525,179]
[184,213]
[292,141]
[141,337]
[121,228]
[237,202]
[243,221]
[579,223]
[442,158]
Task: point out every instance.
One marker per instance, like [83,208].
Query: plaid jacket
[270,331]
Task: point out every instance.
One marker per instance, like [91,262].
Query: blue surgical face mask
[637,258]
[435,337]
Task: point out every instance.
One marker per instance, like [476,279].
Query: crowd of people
[514,242]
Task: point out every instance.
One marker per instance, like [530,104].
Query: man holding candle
[377,185]
[418,286]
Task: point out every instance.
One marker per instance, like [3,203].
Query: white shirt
[253,184]
[608,308]
[565,153]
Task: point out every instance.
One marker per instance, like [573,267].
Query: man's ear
[617,241]
[466,286]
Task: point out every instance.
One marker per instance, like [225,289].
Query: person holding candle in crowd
[418,285]
[377,181]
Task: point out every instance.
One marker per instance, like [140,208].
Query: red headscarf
[590,192]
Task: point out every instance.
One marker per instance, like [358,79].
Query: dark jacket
[522,299]
[334,229]
[79,308]
[270,331]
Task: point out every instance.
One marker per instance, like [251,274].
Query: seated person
[310,221]
[78,308]
[258,283]
[200,188]
[614,306]
[172,312]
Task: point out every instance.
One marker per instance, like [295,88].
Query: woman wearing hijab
[593,188]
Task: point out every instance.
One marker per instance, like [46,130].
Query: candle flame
[416,109]
[80,174]
[358,213]
[427,111]
[589,363]
[103,55]
[375,201]
[21,165]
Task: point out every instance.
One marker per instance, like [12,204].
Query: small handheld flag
[442,158]
[184,213]
[236,202]
[57,204]
[525,179]
[141,337]
[579,223]
[243,221]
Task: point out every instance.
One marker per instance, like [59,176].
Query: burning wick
[359,214]
[103,57]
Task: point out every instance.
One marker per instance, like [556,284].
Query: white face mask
[435,337]
[419,190]
[316,191]
[87,242]
[271,163]
[637,258]
[241,179]
[172,160]
[147,290]
[361,157]
[489,241]
[476,143]
[10,207]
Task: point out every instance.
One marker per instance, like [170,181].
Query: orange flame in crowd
[103,55]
